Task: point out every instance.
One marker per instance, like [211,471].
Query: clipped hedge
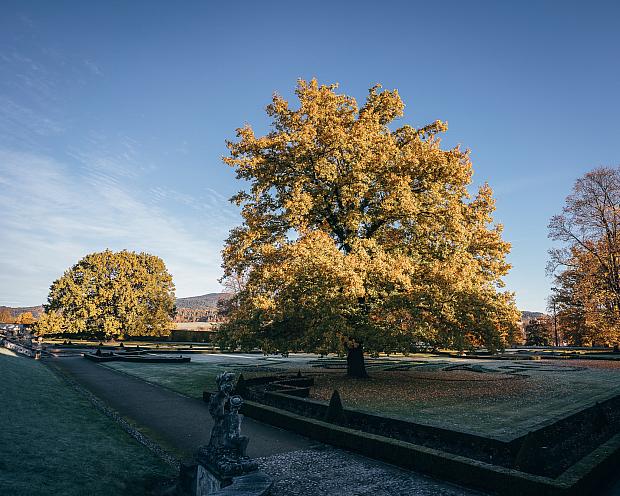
[582,478]
[477,461]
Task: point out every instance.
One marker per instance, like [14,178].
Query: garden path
[170,418]
[300,466]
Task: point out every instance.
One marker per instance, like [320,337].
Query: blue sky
[113,115]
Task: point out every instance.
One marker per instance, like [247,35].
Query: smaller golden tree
[6,317]
[113,295]
[25,318]
[51,323]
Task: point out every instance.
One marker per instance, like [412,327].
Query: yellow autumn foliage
[355,230]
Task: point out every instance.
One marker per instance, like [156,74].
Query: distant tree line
[6,317]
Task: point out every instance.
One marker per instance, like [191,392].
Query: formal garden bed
[473,411]
[497,399]
[134,356]
[547,451]
[567,456]
[55,442]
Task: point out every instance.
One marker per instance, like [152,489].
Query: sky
[114,115]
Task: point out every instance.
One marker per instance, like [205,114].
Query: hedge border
[118,358]
[461,436]
[585,475]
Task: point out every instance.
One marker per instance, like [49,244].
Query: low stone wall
[547,451]
[112,357]
[582,478]
[477,447]
[17,348]
[587,443]
[290,393]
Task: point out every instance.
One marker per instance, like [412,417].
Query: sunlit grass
[491,402]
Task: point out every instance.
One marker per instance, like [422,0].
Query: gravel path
[327,471]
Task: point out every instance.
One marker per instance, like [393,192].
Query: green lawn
[501,399]
[497,398]
[190,379]
[53,441]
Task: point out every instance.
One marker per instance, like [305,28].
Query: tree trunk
[355,362]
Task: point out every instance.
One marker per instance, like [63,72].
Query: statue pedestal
[207,482]
[222,467]
[197,479]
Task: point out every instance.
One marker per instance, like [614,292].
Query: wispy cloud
[70,186]
[20,124]
[54,212]
[93,68]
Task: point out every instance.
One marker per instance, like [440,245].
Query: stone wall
[17,348]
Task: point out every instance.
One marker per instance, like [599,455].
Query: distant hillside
[15,311]
[204,301]
[526,315]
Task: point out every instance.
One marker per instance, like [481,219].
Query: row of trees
[586,268]
[6,317]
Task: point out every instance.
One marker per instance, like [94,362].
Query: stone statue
[226,451]
[233,438]
[219,407]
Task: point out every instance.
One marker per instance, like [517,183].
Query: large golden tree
[360,235]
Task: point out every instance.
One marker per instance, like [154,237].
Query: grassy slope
[54,442]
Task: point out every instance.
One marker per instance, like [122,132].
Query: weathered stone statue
[223,462]
[218,408]
[233,439]
[226,451]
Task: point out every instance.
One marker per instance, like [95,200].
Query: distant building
[197,315]
[12,328]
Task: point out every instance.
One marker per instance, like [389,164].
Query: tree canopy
[6,317]
[538,333]
[360,235]
[587,264]
[25,318]
[111,295]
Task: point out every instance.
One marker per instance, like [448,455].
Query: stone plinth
[207,482]
[197,479]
